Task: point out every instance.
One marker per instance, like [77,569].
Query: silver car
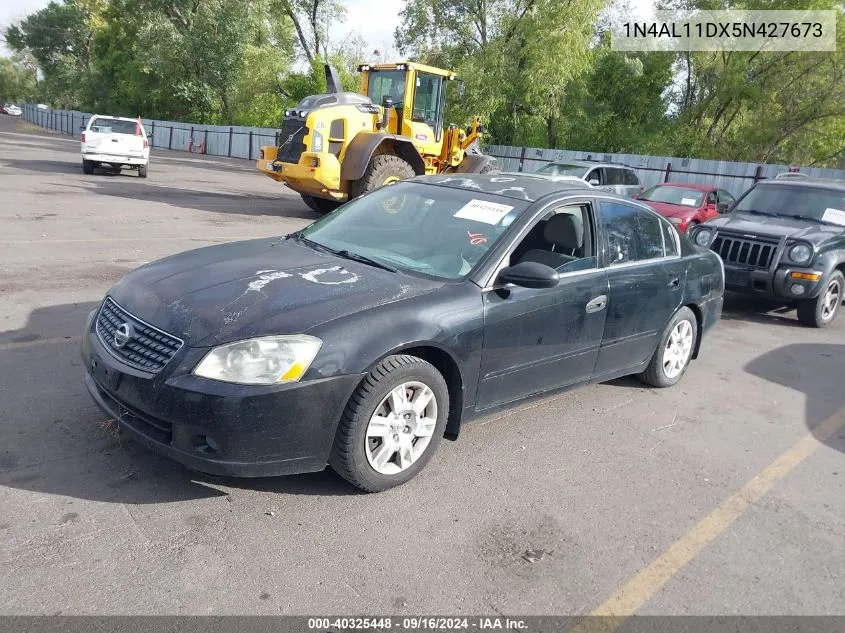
[618,179]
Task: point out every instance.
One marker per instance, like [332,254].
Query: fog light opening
[797,289]
[204,444]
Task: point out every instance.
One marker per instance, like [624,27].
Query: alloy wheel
[401,428]
[678,349]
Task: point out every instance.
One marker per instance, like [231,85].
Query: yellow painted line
[39,342]
[644,585]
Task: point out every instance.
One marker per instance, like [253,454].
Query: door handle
[597,304]
[675,282]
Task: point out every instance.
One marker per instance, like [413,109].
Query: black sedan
[363,339]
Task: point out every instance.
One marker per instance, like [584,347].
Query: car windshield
[674,195]
[561,169]
[424,229]
[113,126]
[813,203]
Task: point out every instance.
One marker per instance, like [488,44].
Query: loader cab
[418,93]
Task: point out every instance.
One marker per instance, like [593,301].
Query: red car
[685,204]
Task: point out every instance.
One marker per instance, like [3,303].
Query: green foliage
[539,72]
[17,82]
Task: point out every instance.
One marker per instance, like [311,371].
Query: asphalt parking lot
[723,495]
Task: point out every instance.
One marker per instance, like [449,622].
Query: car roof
[588,163]
[810,183]
[687,185]
[114,118]
[528,187]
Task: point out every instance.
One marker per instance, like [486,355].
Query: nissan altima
[363,339]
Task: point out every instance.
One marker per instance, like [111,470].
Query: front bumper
[114,159]
[215,427]
[772,285]
[322,181]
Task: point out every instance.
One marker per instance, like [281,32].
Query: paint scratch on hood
[330,276]
[265,277]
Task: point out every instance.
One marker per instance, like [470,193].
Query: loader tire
[320,205]
[384,169]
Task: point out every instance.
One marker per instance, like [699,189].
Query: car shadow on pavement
[54,440]
[44,166]
[757,310]
[814,370]
[229,203]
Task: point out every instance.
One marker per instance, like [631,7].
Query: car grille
[291,139]
[744,251]
[148,348]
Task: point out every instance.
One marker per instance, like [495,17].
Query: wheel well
[403,150]
[698,322]
[447,366]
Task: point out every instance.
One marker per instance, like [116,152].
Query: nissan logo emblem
[122,335]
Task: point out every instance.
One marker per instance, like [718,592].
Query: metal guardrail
[232,141]
[244,142]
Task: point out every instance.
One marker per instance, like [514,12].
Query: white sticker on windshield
[837,216]
[689,202]
[483,211]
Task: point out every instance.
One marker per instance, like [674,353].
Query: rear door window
[614,176]
[630,177]
[632,234]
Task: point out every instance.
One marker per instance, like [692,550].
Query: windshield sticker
[690,202]
[476,239]
[836,216]
[483,211]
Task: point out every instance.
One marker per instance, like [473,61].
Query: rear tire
[384,169]
[87,167]
[142,171]
[821,311]
[674,351]
[320,205]
[367,451]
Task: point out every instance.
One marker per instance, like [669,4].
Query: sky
[374,20]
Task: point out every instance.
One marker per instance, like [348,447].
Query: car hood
[229,292]
[668,210]
[776,226]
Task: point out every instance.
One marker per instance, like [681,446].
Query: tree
[17,82]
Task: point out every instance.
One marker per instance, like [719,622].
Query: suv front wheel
[821,311]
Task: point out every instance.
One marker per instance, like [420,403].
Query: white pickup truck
[116,142]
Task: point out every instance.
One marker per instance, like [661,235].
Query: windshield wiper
[365,260]
[342,253]
[811,219]
[756,212]
[299,237]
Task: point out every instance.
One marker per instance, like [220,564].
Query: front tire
[87,167]
[821,311]
[320,205]
[392,424]
[384,169]
[674,351]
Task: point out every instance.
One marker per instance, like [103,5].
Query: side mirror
[723,207]
[594,182]
[635,196]
[530,275]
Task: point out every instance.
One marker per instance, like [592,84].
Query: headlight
[702,237]
[801,254]
[260,361]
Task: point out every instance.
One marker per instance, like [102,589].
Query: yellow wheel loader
[336,146]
